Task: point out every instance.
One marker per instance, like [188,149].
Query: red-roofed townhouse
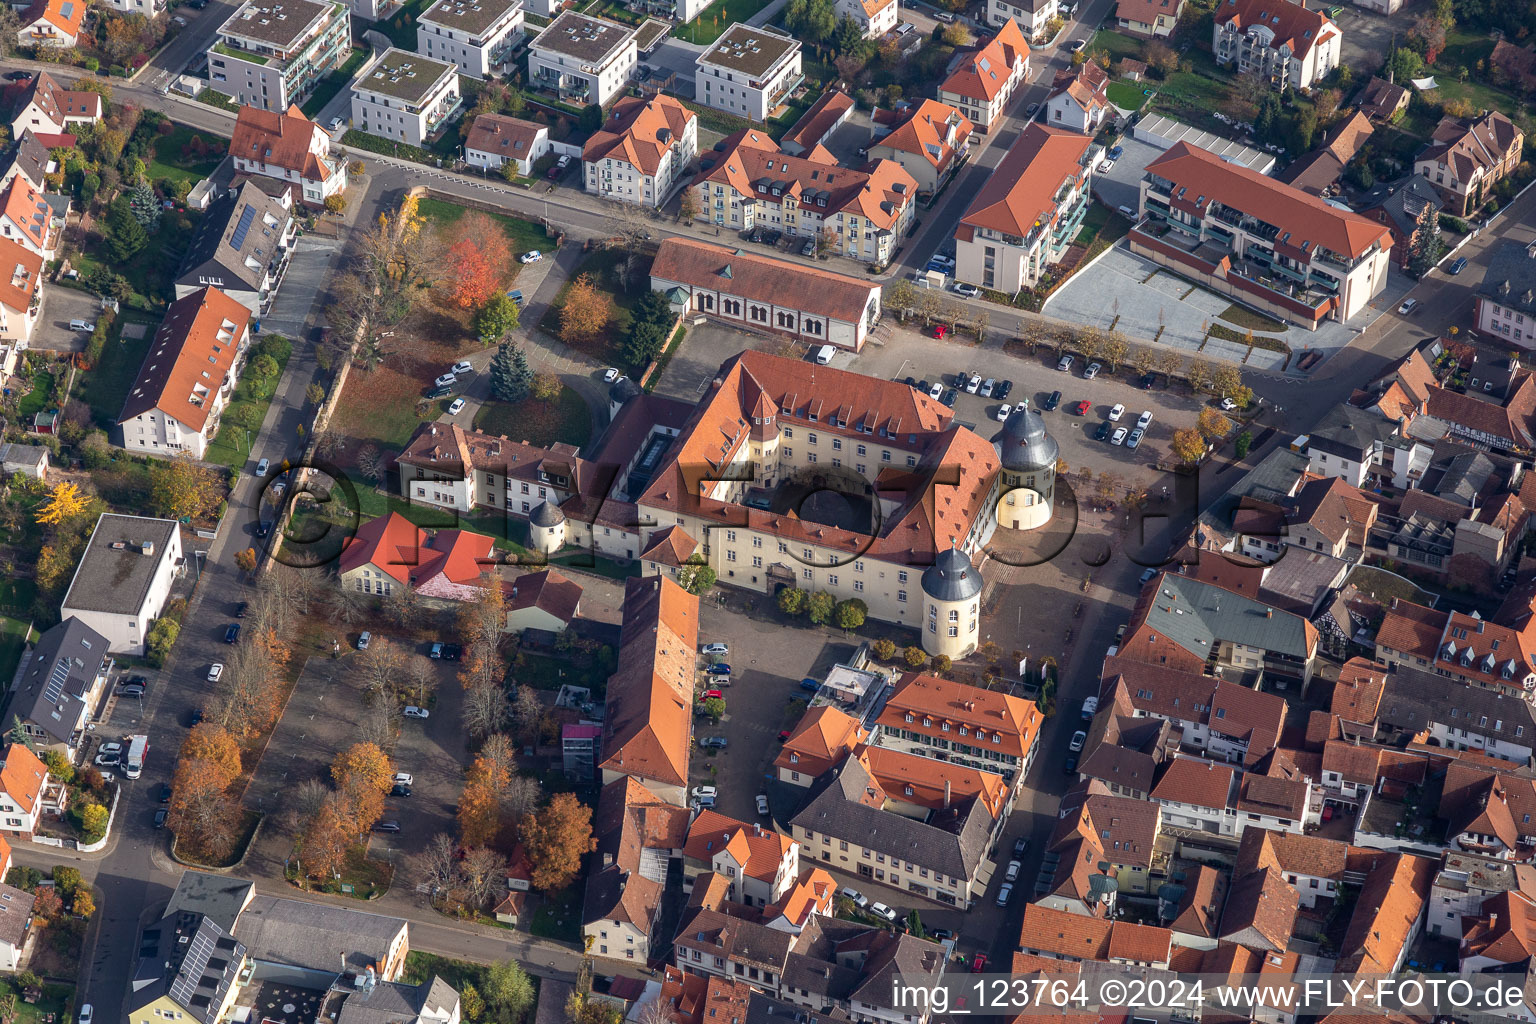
[1079,99]
[1282,42]
[1204,217]
[1032,16]
[874,17]
[27,219]
[984,80]
[23,784]
[1148,18]
[927,141]
[1198,794]
[760,864]
[21,293]
[642,151]
[52,23]
[960,723]
[815,893]
[290,147]
[496,140]
[823,737]
[47,108]
[188,376]
[1027,213]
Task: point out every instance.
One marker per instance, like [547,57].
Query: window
[901,595]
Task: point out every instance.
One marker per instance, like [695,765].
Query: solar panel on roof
[246,217]
[53,693]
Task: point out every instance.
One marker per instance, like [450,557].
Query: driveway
[698,358]
[61,305]
[311,260]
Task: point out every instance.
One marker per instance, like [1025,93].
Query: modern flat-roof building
[1506,300]
[1258,240]
[1027,213]
[642,150]
[404,97]
[984,81]
[477,35]
[1283,43]
[748,72]
[124,578]
[581,59]
[270,55]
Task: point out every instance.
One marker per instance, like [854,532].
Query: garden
[242,418]
[63,905]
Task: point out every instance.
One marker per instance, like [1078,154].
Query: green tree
[471,1003]
[915,925]
[792,601]
[508,991]
[511,379]
[1242,444]
[1405,64]
[884,648]
[812,21]
[497,318]
[941,664]
[714,707]
[125,236]
[591,118]
[144,205]
[162,637]
[819,607]
[1426,248]
[66,880]
[696,576]
[850,614]
[93,822]
[59,766]
[915,656]
[848,36]
[650,321]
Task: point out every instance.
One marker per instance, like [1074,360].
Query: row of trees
[1112,348]
[821,608]
[1190,443]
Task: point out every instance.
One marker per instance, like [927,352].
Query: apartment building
[1465,159]
[1457,716]
[1506,299]
[495,140]
[1360,446]
[404,97]
[874,17]
[241,247]
[1249,236]
[270,55]
[642,150]
[983,82]
[1460,648]
[748,72]
[124,578]
[928,140]
[758,864]
[582,60]
[1079,99]
[51,23]
[187,379]
[21,292]
[476,35]
[861,214]
[1031,16]
[960,724]
[1281,42]
[1222,720]
[638,836]
[1028,212]
[287,146]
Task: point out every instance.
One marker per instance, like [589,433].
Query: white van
[825,354]
[81,325]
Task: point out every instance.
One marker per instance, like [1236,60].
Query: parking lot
[60,306]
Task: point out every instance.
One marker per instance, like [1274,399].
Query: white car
[1408,307]
[1119,436]
[1227,405]
[457,407]
[1144,420]
[338,123]
[412,711]
[715,648]
[705,792]
[404,778]
[1003,411]
[531,256]
[1091,371]
[215,671]
[610,375]
[1012,872]
[936,390]
[1065,365]
[1115,412]
[446,379]
[973,385]
[1078,739]
[762,804]
[461,367]
[179,20]
[970,291]
[85,1015]
[261,467]
[108,760]
[881,910]
[859,899]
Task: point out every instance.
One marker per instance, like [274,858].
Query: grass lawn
[419,968]
[551,673]
[1464,49]
[508,533]
[601,266]
[151,272]
[170,160]
[55,1000]
[327,88]
[1481,97]
[401,29]
[18,594]
[542,423]
[368,878]
[124,483]
[13,637]
[1117,45]
[1127,95]
[232,445]
[523,234]
[1251,319]
[716,18]
[559,915]
[1191,97]
[1102,222]
[36,400]
[105,386]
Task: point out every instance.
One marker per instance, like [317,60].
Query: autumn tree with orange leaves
[331,833]
[585,311]
[249,697]
[556,838]
[475,260]
[480,804]
[363,775]
[203,815]
[482,619]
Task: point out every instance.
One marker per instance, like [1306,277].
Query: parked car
[1092,371]
[809,685]
[950,397]
[1146,577]
[108,760]
[1070,764]
[987,387]
[1002,389]
[232,633]
[973,385]
[1090,707]
[400,789]
[165,792]
[1003,412]
[1034,108]
[446,652]
[762,805]
[240,609]
[516,295]
[131,690]
[403,779]
[715,648]
[17,76]
[713,695]
[1013,871]
[1065,365]
[1020,845]
[1115,412]
[412,711]
[881,910]
[461,367]
[1052,401]
[85,1015]
[1146,381]
[215,671]
[1408,307]
[445,380]
[1458,266]
[1005,894]
[387,826]
[261,467]
[970,291]
[531,256]
[720,668]
[1135,438]
[703,791]
[442,391]
[1081,408]
[858,899]
[935,390]
[160,815]
[713,742]
[978,963]
[1119,436]
[1078,739]
[337,123]
[922,386]
[559,168]
[809,248]
[456,407]
[1102,434]
[1114,152]
[940,934]
[110,749]
[1227,405]
[1144,420]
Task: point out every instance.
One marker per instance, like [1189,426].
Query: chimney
[1269,613]
[1493,920]
[946,794]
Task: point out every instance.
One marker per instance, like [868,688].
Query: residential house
[581,59]
[188,376]
[962,724]
[286,145]
[1388,914]
[1498,423]
[830,112]
[1196,919]
[1283,43]
[1331,516]
[748,72]
[822,739]
[1032,16]
[1467,881]
[542,600]
[404,97]
[61,681]
[1028,212]
[758,864]
[928,140]
[1060,935]
[496,139]
[1150,19]
[52,23]
[148,8]
[273,59]
[638,834]
[862,214]
[648,732]
[874,17]
[1462,648]
[26,157]
[447,565]
[124,579]
[21,292]
[983,82]
[1198,795]
[48,109]
[849,971]
[1363,447]
[1207,218]
[1101,836]
[1465,159]
[1320,171]
[712,942]
[642,150]
[1412,213]
[1356,702]
[187,965]
[1220,719]
[1506,298]
[23,791]
[812,895]
[1382,100]
[1459,716]
[241,247]
[771,295]
[1079,99]
[433,1001]
[476,35]
[1499,934]
[15,923]
[27,218]
[1488,809]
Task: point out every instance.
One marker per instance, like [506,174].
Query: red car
[712,693]
[1081,408]
[978,963]
[783,735]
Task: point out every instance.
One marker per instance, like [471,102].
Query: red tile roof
[1504,931]
[757,850]
[58,103]
[22,776]
[1087,85]
[1139,943]
[816,122]
[1021,193]
[1193,780]
[390,543]
[1387,912]
[1357,694]
[992,720]
[639,131]
[983,75]
[1412,629]
[25,207]
[1145,12]
[548,590]
[822,738]
[1290,24]
[1064,934]
[189,358]
[1196,172]
[763,278]
[508,137]
[21,272]
[648,731]
[65,15]
[285,139]
[931,130]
